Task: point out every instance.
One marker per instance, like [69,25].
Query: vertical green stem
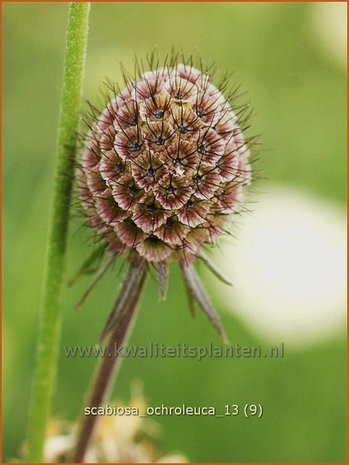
[50,317]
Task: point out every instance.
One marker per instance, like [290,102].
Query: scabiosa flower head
[164,166]
[163,169]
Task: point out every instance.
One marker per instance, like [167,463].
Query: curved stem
[124,311]
[50,317]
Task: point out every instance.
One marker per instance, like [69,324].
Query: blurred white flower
[117,439]
[288,267]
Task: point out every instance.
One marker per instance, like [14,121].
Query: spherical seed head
[164,166]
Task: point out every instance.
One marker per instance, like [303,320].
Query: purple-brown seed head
[164,166]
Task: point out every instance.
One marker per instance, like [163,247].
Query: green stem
[51,314]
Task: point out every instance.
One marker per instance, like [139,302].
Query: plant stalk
[50,315]
[108,368]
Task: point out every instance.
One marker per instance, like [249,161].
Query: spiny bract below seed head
[164,166]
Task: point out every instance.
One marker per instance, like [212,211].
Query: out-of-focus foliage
[298,90]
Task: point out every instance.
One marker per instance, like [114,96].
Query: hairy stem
[50,316]
[107,369]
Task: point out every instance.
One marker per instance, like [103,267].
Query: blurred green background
[298,88]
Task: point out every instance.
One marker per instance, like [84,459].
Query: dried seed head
[164,166]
